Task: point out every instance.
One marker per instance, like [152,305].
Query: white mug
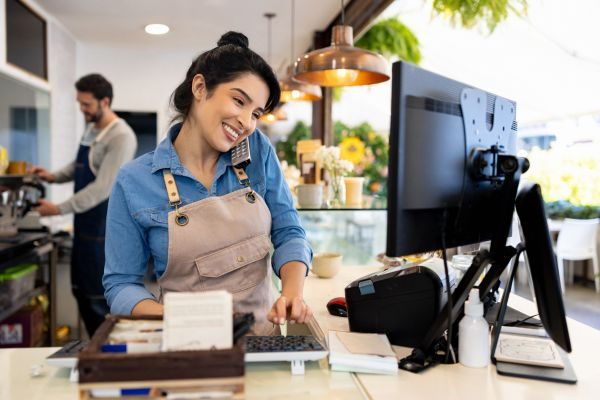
[310,195]
[326,265]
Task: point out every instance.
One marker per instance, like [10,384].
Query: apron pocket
[237,267]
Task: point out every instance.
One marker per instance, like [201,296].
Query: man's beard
[94,118]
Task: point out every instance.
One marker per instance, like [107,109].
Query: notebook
[361,352]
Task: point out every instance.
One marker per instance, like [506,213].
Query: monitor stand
[566,375]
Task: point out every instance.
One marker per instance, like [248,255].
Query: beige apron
[222,242]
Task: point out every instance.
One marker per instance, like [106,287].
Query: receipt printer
[401,302]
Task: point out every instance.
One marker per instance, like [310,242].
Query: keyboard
[280,348]
[66,357]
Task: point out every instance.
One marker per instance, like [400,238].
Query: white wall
[142,78]
[63,108]
[61,48]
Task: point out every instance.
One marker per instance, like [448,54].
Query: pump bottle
[473,334]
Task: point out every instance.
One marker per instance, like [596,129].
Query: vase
[337,195]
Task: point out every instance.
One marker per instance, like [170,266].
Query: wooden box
[197,371]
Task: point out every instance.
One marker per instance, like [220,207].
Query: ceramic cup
[310,195]
[326,265]
[354,189]
[17,168]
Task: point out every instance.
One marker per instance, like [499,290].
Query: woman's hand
[289,309]
[290,305]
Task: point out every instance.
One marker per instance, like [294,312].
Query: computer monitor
[542,264]
[432,142]
[453,181]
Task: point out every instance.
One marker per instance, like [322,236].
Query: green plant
[570,173]
[286,149]
[392,39]
[564,209]
[471,12]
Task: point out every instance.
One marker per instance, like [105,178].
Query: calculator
[283,348]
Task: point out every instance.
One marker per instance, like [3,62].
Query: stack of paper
[361,352]
[197,321]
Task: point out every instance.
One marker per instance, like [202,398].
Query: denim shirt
[137,224]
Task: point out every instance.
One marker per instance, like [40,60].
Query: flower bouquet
[336,169]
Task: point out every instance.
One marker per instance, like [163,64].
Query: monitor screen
[25,38]
[431,188]
[542,264]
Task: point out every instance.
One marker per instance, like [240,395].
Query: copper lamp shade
[276,115]
[292,90]
[341,64]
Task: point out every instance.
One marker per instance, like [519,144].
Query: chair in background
[577,242]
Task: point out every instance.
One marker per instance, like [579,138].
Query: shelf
[21,301]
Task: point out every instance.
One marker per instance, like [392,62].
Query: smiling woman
[206,223]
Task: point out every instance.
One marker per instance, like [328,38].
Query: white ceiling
[195,24]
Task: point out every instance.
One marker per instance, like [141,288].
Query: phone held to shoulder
[240,154]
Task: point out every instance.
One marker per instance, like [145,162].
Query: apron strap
[242,177]
[245,182]
[172,192]
[181,219]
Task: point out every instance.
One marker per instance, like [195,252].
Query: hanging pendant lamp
[292,90]
[341,64]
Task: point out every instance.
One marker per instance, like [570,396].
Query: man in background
[107,143]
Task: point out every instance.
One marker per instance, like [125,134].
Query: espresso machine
[18,194]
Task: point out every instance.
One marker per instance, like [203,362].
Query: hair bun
[234,38]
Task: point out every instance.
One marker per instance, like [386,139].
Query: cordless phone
[240,154]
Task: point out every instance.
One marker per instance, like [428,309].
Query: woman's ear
[198,86]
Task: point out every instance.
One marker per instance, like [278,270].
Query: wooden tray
[97,367]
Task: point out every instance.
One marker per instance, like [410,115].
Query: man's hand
[44,174]
[47,208]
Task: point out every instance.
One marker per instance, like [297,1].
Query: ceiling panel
[195,24]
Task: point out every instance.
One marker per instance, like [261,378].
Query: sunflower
[352,149]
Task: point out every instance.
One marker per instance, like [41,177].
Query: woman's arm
[127,253]
[147,307]
[292,254]
[290,305]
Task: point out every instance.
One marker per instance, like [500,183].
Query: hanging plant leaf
[471,12]
[392,39]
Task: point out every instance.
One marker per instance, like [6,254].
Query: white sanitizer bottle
[473,334]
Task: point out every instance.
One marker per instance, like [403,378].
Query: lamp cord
[293,31]
[343,17]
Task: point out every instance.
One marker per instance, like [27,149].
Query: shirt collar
[165,156]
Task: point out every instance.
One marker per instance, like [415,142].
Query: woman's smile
[230,132]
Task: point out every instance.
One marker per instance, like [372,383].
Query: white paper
[197,321]
[529,350]
[366,343]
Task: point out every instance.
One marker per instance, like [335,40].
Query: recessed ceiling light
[156,29]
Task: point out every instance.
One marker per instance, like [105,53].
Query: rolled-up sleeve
[287,235]
[120,149]
[127,255]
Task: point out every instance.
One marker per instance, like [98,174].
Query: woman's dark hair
[225,63]
[97,85]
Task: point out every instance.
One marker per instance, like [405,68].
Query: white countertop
[274,381]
